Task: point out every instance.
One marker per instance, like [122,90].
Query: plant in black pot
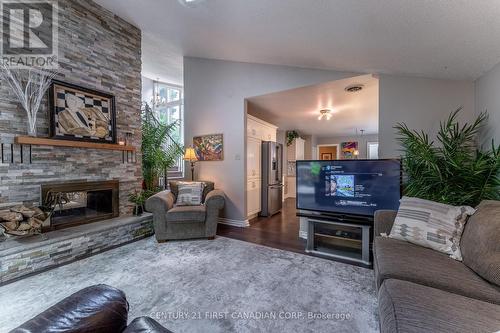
[138,198]
[453,170]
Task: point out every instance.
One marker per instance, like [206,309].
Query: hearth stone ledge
[27,256]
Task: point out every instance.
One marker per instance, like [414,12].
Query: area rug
[223,285]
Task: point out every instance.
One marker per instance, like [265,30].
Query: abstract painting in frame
[209,147]
[347,149]
[81,114]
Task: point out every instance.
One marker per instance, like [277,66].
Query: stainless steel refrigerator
[272,178]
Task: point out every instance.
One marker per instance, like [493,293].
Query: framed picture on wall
[326,156]
[209,147]
[347,149]
[81,114]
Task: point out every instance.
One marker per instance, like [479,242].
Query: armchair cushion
[209,186]
[181,214]
[189,193]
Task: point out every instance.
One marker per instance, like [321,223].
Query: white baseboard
[234,223]
[303,234]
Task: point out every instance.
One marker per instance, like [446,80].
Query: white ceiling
[299,108]
[455,39]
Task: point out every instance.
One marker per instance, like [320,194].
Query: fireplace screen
[78,203]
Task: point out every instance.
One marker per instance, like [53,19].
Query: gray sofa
[185,222]
[422,290]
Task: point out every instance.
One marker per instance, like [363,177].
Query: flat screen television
[348,187]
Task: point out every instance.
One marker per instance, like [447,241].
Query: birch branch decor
[29,86]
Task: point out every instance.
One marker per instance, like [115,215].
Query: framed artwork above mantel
[81,114]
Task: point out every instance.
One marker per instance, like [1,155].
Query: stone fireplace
[80,202]
[99,51]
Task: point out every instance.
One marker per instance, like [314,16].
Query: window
[168,106]
[372,150]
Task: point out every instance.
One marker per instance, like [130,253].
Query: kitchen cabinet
[257,131]
[253,197]
[253,158]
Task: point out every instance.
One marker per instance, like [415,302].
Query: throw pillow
[431,224]
[189,193]
[480,244]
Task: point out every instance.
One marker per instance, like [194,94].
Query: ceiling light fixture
[325,113]
[158,100]
[354,88]
[190,3]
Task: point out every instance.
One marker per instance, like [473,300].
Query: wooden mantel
[29,140]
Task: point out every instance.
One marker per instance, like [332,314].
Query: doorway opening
[328,151]
[325,121]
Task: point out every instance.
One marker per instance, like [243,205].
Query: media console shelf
[29,140]
[339,238]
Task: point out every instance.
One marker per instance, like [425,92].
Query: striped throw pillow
[189,193]
[431,224]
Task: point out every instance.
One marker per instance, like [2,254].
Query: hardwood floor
[279,231]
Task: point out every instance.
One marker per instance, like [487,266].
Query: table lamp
[190,155]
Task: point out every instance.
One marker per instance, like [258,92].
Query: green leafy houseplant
[138,199]
[290,136]
[454,171]
[160,150]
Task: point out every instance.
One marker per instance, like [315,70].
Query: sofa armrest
[215,199]
[145,325]
[383,221]
[160,203]
[98,308]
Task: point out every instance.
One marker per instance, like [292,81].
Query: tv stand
[341,237]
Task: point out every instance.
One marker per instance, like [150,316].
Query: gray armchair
[185,222]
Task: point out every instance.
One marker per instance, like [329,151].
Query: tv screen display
[357,187]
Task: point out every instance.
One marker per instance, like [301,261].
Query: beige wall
[361,139]
[420,103]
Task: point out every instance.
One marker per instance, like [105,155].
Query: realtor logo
[29,33]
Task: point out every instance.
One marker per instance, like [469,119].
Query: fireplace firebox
[77,203]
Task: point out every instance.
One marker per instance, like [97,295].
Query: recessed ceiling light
[354,88]
[190,3]
[325,113]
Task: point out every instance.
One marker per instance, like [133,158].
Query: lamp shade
[190,155]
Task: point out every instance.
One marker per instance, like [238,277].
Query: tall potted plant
[160,150]
[452,170]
